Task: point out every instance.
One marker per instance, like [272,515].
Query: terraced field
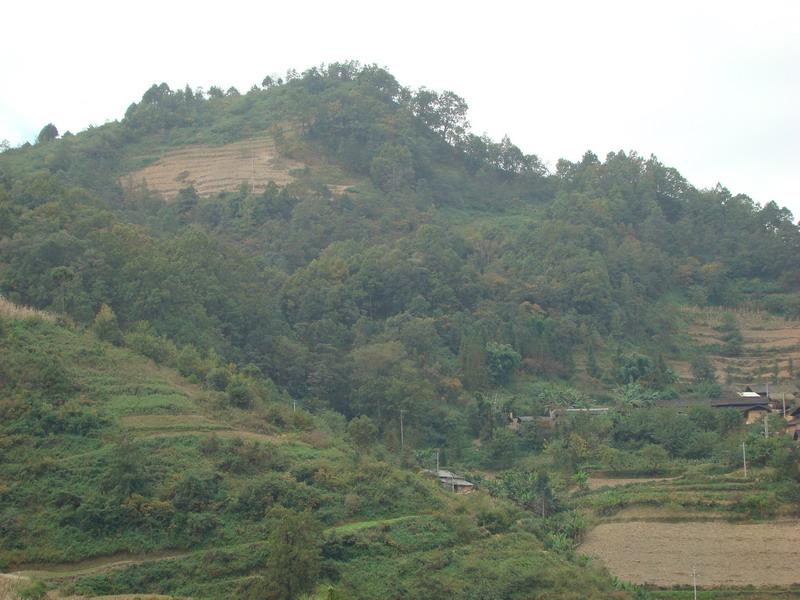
[212,169]
[654,532]
[724,554]
[767,339]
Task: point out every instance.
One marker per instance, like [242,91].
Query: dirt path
[724,554]
[91,565]
[220,433]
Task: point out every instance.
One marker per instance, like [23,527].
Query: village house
[752,405]
[515,422]
[777,394]
[451,481]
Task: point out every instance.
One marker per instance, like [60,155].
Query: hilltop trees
[48,133]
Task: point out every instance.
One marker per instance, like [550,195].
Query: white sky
[710,87]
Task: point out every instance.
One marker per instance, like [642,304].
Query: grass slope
[120,477]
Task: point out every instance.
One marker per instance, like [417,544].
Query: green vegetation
[218,386]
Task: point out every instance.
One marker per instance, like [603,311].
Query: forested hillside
[335,241]
[451,262]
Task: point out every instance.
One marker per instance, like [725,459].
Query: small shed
[517,421]
[451,481]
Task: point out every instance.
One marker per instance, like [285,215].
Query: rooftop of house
[448,478]
[762,389]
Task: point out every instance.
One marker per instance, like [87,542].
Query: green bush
[105,326]
[36,590]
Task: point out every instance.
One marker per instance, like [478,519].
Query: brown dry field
[724,554]
[8,585]
[766,338]
[212,169]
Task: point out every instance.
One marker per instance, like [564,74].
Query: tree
[732,339]
[105,326]
[239,393]
[631,367]
[501,360]
[662,375]
[392,169]
[293,563]
[48,133]
[703,370]
[362,431]
[472,359]
[502,448]
[126,473]
[61,276]
[591,363]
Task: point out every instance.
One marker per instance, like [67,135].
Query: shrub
[143,339]
[757,506]
[501,360]
[218,379]
[239,394]
[36,590]
[105,326]
[362,431]
[195,492]
[199,526]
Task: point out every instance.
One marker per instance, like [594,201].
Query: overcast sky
[712,88]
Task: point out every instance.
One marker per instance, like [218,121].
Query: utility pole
[694,581]
[744,458]
[402,437]
[766,425]
[294,405]
[437,462]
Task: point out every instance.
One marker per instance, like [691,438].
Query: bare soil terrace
[767,339]
[212,169]
[724,554]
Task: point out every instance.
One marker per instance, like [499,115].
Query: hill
[293,298]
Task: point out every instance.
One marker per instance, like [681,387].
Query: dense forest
[452,280]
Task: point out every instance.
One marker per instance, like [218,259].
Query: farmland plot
[724,554]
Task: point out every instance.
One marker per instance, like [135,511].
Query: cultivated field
[724,554]
[767,339]
[212,169]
